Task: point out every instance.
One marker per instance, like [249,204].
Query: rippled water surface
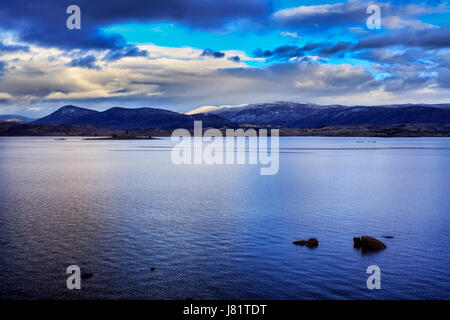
[118,208]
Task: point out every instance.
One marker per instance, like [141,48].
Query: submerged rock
[367,244]
[312,242]
[356,242]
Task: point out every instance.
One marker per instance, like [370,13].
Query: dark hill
[303,115]
[65,115]
[134,119]
[131,119]
[375,115]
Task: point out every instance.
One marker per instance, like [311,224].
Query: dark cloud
[121,91]
[3,66]
[260,53]
[435,38]
[387,56]
[235,59]
[310,46]
[242,72]
[355,12]
[291,51]
[344,13]
[443,78]
[44,21]
[280,53]
[332,49]
[84,62]
[145,83]
[406,81]
[12,48]
[287,51]
[128,51]
[212,53]
[415,42]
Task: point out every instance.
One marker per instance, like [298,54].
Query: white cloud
[353,12]
[395,22]
[291,35]
[5,95]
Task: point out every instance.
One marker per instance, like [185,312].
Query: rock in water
[372,243]
[312,242]
[356,242]
[86,275]
[299,242]
[367,244]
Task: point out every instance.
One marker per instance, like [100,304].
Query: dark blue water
[117,208]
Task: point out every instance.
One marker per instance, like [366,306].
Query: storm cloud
[44,22]
[282,52]
[84,62]
[435,38]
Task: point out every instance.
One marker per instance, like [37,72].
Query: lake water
[118,208]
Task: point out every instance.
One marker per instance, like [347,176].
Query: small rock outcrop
[368,244]
[310,243]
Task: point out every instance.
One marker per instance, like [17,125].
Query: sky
[181,55]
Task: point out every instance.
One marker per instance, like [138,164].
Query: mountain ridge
[136,119]
[64,115]
[308,115]
[274,114]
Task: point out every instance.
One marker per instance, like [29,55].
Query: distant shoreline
[123,137]
[401,130]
